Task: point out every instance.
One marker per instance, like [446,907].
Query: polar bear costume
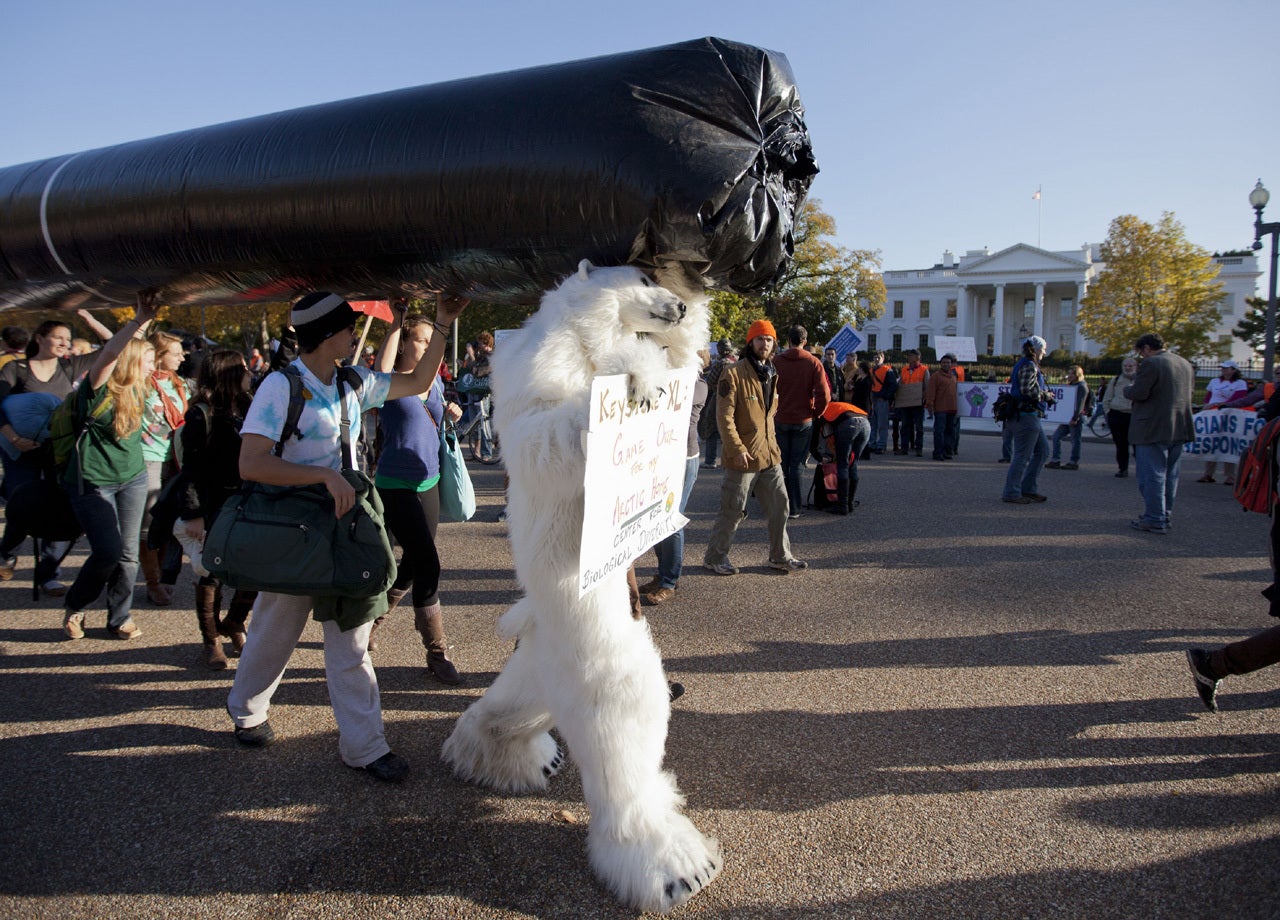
[584,665]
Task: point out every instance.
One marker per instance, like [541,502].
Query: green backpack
[68,424]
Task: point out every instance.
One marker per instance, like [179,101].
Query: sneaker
[127,630]
[502,516]
[1035,496]
[1122,474]
[721,568]
[7,565]
[1017,500]
[1004,460]
[788,565]
[708,466]
[1206,686]
[1147,526]
[73,625]
[1071,466]
[1053,465]
[674,690]
[54,588]
[389,768]
[659,595]
[257,737]
[794,515]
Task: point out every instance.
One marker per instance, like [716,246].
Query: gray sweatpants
[274,631]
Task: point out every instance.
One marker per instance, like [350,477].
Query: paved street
[963,709]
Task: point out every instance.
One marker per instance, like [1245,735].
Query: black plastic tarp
[695,153]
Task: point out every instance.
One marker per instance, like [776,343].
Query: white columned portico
[1039,321]
[1082,288]
[962,310]
[999,343]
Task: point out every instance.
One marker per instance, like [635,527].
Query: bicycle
[477,431]
[1098,425]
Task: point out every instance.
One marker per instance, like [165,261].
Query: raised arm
[99,330]
[419,380]
[386,360]
[143,314]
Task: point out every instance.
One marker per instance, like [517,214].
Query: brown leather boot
[207,614]
[158,594]
[429,621]
[394,597]
[232,625]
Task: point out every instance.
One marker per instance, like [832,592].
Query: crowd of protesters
[164,426]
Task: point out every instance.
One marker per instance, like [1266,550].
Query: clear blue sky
[934,123]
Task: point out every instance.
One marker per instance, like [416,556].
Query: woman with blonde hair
[106,477]
[162,414]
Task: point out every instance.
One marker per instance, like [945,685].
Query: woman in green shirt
[106,478]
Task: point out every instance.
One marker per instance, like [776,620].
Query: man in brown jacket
[941,401]
[746,402]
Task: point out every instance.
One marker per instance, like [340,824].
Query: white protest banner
[635,474]
[962,346]
[976,400]
[1224,434]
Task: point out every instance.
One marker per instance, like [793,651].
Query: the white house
[1000,298]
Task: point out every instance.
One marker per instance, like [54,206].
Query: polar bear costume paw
[659,871]
[489,756]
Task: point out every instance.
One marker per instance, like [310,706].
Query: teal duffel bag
[286,539]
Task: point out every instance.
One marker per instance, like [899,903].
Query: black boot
[841,506]
[853,490]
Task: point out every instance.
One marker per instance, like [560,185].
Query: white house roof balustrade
[999,297]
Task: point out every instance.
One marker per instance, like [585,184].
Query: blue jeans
[469,414]
[1076,431]
[111,516]
[851,436]
[711,445]
[1030,447]
[1158,467]
[880,409]
[946,427]
[1006,440]
[670,550]
[793,441]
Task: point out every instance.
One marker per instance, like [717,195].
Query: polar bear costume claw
[585,665]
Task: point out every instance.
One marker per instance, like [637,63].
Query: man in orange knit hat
[746,402]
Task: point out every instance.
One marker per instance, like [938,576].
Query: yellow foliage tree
[1155,280]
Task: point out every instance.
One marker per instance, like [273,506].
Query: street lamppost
[1258,199]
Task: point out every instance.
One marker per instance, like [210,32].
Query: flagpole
[1039,212]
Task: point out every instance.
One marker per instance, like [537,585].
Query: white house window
[897,309]
[1066,307]
[1064,342]
[991,344]
[924,341]
[1029,308]
[871,342]
[897,341]
[951,308]
[924,309]
[991,309]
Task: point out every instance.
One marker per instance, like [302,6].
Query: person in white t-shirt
[325,325]
[1225,387]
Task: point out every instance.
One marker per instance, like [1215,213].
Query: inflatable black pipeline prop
[694,154]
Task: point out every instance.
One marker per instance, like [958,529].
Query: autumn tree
[1155,280]
[823,287]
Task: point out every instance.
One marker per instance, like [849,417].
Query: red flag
[378,309]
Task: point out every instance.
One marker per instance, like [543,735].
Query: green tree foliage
[1155,280]
[1252,327]
[824,287]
